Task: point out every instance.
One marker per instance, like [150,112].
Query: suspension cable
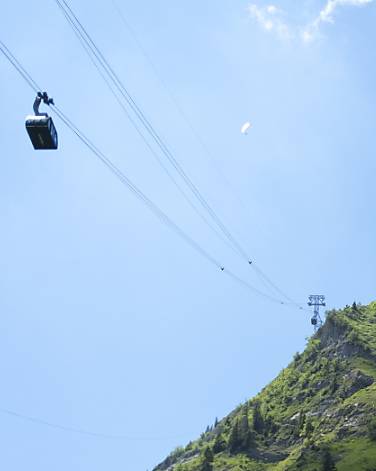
[267,281]
[148,126]
[80,431]
[158,212]
[112,89]
[96,55]
[180,108]
[161,215]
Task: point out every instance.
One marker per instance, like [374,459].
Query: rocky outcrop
[354,381]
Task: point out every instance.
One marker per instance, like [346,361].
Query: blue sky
[110,323]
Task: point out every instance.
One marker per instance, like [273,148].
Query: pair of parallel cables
[125,99]
[140,195]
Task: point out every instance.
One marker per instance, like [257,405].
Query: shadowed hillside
[319,414]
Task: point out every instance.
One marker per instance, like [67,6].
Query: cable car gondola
[40,127]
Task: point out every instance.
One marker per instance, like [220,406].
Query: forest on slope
[319,414]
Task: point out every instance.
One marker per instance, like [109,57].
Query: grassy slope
[327,386]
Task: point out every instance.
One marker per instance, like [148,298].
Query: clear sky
[109,322]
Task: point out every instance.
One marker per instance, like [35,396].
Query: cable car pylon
[316,301]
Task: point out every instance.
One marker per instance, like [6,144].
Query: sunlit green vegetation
[319,414]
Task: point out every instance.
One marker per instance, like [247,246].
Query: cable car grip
[38,100]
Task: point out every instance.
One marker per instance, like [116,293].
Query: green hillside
[319,414]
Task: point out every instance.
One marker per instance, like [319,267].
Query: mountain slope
[318,414]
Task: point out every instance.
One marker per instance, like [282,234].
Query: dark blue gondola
[40,127]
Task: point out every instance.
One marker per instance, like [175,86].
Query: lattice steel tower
[316,300]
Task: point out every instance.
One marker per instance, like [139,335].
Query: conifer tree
[372,430]
[309,428]
[302,420]
[327,461]
[207,460]
[258,421]
[219,444]
[243,429]
[233,441]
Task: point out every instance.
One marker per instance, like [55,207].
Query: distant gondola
[40,127]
